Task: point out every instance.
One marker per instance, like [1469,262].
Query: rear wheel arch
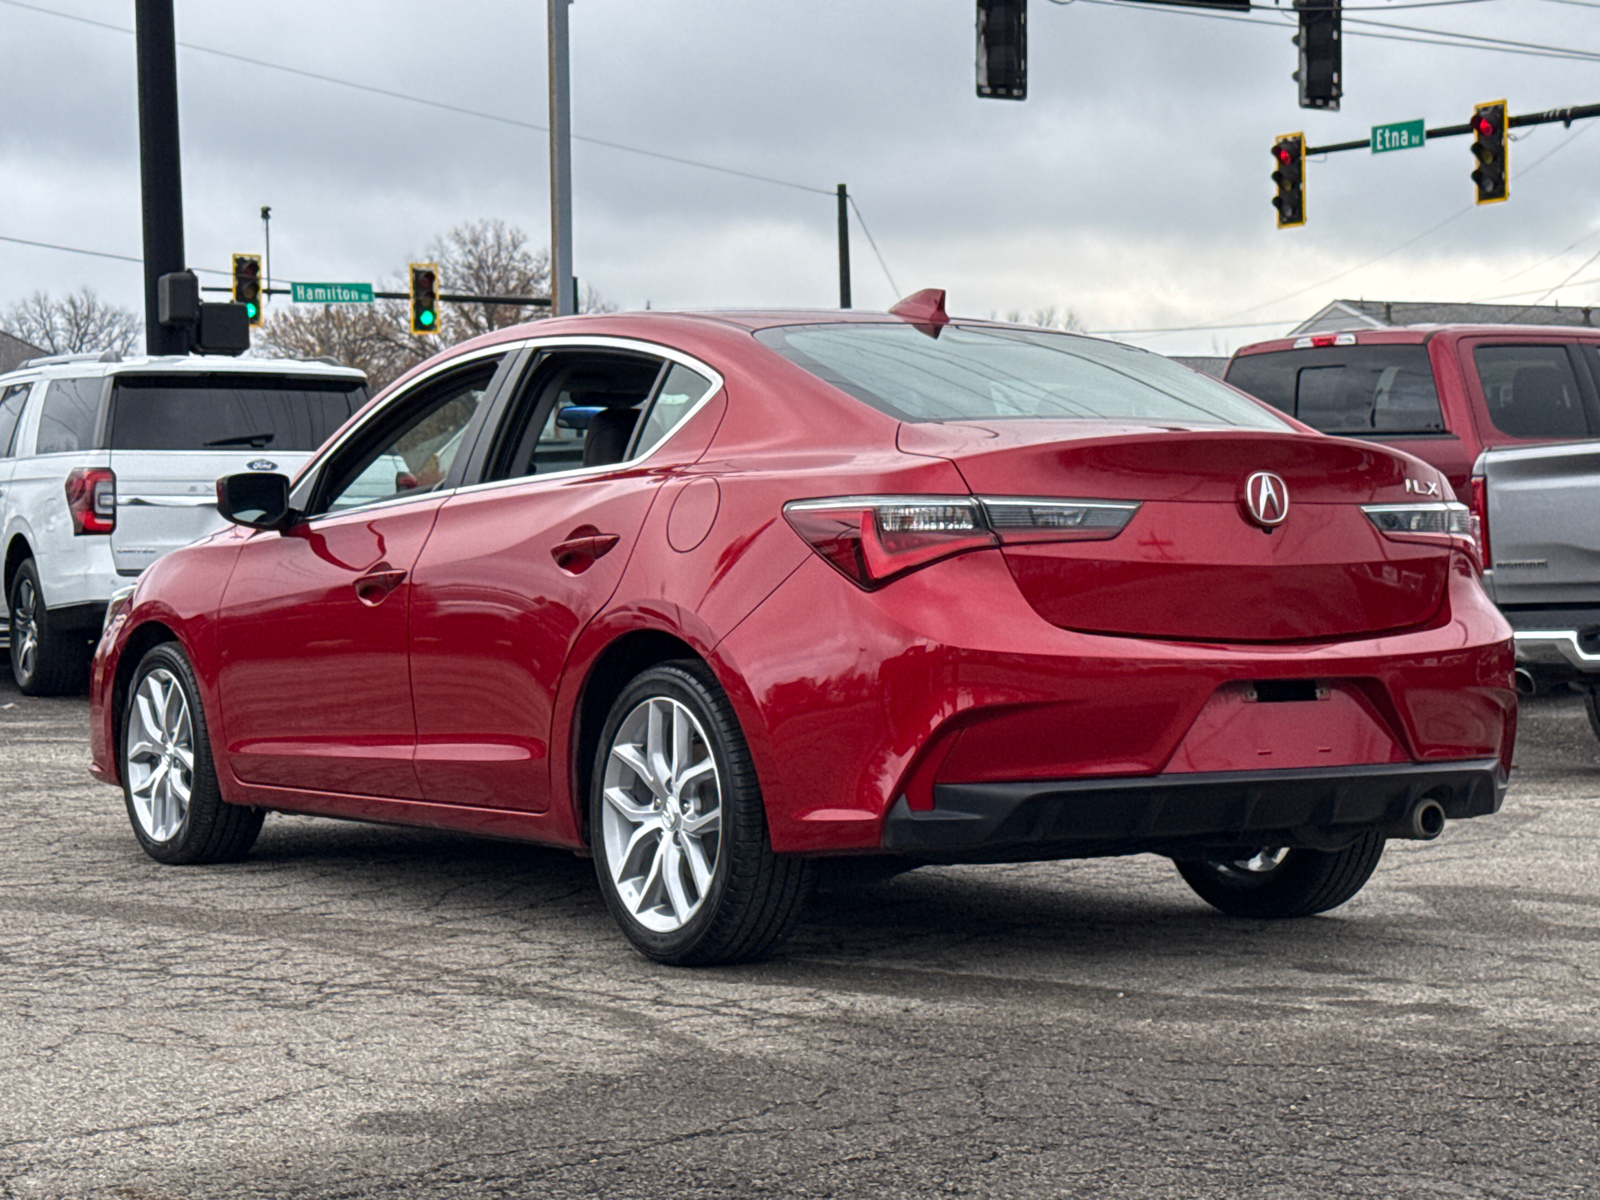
[613,669]
[17,551]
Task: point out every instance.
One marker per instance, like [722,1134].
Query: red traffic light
[1485,126]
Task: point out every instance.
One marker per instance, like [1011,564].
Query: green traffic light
[250,311]
[425,317]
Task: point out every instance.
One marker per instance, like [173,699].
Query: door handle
[375,585]
[577,554]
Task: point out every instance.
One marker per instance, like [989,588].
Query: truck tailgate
[1544,524]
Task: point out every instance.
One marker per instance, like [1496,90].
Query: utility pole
[563,302]
[266,236]
[844,247]
[160,172]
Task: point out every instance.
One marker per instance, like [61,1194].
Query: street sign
[1399,135]
[331,293]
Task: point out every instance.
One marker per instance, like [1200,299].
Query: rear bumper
[1184,813]
[1561,649]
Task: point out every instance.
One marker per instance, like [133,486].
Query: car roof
[86,367]
[1412,335]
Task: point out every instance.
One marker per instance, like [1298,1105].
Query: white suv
[108,463]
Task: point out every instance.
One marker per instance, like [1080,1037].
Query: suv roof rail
[326,358]
[110,356]
[50,360]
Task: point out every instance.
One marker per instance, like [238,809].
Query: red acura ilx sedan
[712,596]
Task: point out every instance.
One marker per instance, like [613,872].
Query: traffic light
[1321,70]
[1289,173]
[424,298]
[1003,49]
[1492,178]
[247,285]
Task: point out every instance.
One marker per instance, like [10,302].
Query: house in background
[14,352]
[1344,315]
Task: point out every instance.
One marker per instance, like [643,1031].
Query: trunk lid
[1192,564]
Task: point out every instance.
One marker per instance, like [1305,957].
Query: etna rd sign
[331,293]
[1401,135]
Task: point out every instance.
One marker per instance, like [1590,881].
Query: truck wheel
[1275,882]
[168,779]
[679,829]
[44,661]
[1591,705]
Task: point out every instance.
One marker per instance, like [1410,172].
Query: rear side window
[1531,391]
[680,392]
[975,372]
[240,412]
[11,401]
[67,420]
[1352,390]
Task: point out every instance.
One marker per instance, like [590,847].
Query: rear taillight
[1440,523]
[1478,496]
[92,499]
[872,540]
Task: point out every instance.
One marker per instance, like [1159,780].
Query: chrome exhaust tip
[1523,678]
[1427,820]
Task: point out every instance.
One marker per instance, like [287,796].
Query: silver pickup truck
[1542,529]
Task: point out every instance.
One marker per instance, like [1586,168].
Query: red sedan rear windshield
[975,372]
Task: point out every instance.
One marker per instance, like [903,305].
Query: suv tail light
[872,540]
[92,499]
[1478,497]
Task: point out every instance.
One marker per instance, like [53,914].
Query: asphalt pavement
[358,1011]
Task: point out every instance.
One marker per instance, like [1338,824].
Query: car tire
[1591,705]
[165,752]
[679,829]
[1274,882]
[45,661]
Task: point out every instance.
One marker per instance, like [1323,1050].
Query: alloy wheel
[662,814]
[160,755]
[25,627]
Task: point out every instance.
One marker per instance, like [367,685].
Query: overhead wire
[1438,37]
[442,105]
[871,241]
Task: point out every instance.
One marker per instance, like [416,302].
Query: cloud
[1132,186]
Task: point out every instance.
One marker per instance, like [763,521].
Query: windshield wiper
[256,441]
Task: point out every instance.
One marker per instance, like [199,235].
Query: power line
[871,241]
[71,249]
[1195,328]
[1443,37]
[427,103]
[98,253]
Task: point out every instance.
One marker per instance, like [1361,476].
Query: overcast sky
[1132,186]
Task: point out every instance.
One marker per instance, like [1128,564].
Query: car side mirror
[255,499]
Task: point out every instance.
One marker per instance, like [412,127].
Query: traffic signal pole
[562,288]
[1554,116]
[160,172]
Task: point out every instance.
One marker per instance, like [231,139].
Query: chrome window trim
[611,342]
[314,464]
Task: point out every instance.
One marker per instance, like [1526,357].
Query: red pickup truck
[1443,392]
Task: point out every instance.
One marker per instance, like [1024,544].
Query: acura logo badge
[1266,499]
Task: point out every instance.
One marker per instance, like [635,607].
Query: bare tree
[75,324]
[1049,317]
[357,335]
[480,258]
